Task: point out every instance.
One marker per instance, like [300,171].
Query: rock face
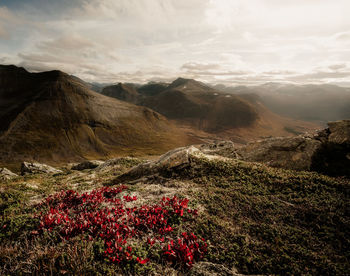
[90,164]
[28,168]
[6,174]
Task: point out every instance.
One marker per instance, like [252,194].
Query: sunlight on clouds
[208,39]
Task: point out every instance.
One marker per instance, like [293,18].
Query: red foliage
[187,250]
[100,214]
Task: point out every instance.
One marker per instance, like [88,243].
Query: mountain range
[319,103]
[198,106]
[54,116]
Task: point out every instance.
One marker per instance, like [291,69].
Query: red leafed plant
[188,249]
[101,215]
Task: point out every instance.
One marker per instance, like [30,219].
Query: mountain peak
[55,74]
[180,81]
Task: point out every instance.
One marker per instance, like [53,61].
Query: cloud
[3,33]
[66,42]
[195,66]
[212,40]
[320,75]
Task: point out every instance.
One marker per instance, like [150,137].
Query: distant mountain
[318,103]
[122,92]
[152,89]
[54,116]
[192,103]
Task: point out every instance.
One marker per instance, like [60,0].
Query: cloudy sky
[221,41]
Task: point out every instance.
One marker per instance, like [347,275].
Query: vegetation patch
[112,229]
[272,221]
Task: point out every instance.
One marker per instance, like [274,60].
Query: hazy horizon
[229,42]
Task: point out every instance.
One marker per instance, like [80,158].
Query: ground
[254,218]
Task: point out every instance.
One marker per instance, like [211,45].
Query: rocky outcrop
[28,168]
[283,152]
[333,156]
[339,132]
[6,174]
[171,161]
[90,164]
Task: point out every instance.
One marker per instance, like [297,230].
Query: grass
[273,221]
[259,219]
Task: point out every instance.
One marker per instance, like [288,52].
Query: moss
[273,221]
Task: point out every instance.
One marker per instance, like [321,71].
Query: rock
[90,164]
[283,152]
[6,174]
[28,168]
[174,159]
[211,269]
[222,148]
[339,132]
[333,157]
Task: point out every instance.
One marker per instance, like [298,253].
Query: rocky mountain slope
[53,116]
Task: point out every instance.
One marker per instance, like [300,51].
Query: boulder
[6,174]
[28,168]
[90,164]
[174,159]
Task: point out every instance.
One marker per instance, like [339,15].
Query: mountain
[192,102]
[197,106]
[54,116]
[152,89]
[316,103]
[122,92]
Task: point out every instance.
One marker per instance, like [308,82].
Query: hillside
[185,213]
[122,92]
[54,117]
[198,107]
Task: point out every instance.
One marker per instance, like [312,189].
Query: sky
[233,42]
